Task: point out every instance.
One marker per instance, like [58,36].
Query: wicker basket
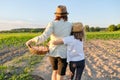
[39,50]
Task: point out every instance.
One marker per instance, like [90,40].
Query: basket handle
[29,46]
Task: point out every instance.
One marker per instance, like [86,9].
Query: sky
[37,13]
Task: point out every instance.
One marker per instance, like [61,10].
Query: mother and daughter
[66,45]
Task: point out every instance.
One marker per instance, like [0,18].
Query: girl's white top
[75,50]
[55,30]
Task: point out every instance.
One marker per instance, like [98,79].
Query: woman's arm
[65,40]
[39,39]
[58,42]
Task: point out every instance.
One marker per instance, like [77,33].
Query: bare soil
[102,61]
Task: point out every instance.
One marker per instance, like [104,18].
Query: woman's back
[61,29]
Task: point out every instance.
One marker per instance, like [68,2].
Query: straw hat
[77,27]
[61,11]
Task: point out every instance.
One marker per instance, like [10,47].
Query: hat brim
[61,14]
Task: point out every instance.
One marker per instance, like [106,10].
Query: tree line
[111,27]
[20,30]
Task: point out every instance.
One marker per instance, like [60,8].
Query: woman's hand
[55,42]
[28,43]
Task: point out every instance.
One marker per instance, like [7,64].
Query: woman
[56,29]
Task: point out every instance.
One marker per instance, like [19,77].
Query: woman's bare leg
[59,77]
[54,75]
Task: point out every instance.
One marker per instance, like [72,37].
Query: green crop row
[19,39]
[103,35]
[15,39]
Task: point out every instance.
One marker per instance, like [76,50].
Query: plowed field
[102,61]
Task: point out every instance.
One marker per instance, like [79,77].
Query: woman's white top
[56,30]
[75,50]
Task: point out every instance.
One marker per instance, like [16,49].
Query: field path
[102,61]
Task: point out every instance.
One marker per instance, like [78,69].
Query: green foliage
[19,39]
[2,72]
[2,76]
[3,67]
[86,28]
[92,29]
[21,30]
[15,39]
[103,35]
[118,27]
[97,29]
[16,72]
[23,76]
[112,28]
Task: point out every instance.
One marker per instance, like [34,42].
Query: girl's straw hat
[77,27]
[61,11]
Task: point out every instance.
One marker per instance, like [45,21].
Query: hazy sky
[26,13]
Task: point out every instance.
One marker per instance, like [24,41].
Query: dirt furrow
[100,61]
[95,64]
[10,55]
[6,50]
[113,49]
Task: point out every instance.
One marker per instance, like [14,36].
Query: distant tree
[112,28]
[118,27]
[97,29]
[32,30]
[92,29]
[27,30]
[103,29]
[86,28]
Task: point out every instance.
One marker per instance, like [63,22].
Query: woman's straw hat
[77,27]
[61,11]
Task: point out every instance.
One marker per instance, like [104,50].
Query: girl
[75,53]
